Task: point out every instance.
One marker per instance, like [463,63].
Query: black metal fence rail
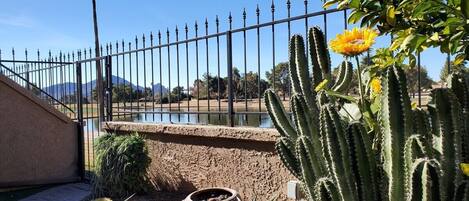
[24,82]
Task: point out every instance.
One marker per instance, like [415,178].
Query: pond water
[250,120]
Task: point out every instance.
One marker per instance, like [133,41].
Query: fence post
[81,137]
[229,61]
[108,92]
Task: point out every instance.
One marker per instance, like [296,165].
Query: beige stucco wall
[38,144]
[188,157]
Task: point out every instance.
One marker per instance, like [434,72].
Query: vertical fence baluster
[169,74]
[14,63]
[197,69]
[110,84]
[217,24]
[288,42]
[273,44]
[136,74]
[51,90]
[258,12]
[419,80]
[118,80]
[306,31]
[179,91]
[229,62]
[152,77]
[144,77]
[448,62]
[208,73]
[123,76]
[161,77]
[130,79]
[26,70]
[186,29]
[245,66]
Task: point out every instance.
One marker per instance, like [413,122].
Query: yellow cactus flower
[354,42]
[321,85]
[376,85]
[465,168]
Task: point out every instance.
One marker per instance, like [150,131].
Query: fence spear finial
[230,19]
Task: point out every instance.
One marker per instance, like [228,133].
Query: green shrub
[121,166]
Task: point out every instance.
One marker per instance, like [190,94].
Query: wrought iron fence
[172,76]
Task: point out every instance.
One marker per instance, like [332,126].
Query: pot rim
[234,193]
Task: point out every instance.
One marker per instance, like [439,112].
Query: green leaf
[391,15]
[354,4]
[355,16]
[329,3]
[413,41]
[404,3]
[454,41]
[339,95]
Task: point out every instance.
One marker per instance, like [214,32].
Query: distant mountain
[158,87]
[69,88]
[58,90]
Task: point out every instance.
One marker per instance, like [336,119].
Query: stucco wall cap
[244,133]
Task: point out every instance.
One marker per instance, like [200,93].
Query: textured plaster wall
[38,144]
[188,157]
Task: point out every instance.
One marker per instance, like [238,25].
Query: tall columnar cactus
[395,122]
[459,86]
[334,159]
[449,132]
[319,54]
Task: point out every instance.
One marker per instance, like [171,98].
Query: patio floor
[67,192]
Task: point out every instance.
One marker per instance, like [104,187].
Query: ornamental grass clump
[121,162]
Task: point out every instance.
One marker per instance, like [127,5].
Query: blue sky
[67,26]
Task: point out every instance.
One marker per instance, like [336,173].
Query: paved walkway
[67,192]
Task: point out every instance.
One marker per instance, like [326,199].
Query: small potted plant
[214,194]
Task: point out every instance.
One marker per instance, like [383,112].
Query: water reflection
[250,120]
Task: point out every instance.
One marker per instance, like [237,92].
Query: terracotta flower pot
[213,194]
